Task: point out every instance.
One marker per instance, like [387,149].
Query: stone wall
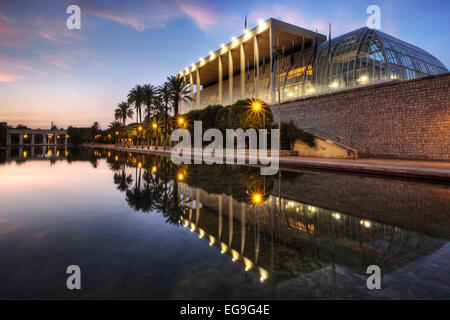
[404,120]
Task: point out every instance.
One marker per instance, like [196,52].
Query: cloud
[65,59]
[141,15]
[12,69]
[203,17]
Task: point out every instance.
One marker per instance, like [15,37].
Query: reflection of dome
[366,55]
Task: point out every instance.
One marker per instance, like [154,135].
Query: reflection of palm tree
[122,180]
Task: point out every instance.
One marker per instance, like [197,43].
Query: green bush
[290,132]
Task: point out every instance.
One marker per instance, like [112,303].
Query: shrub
[290,132]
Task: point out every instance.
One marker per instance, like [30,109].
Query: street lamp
[257,198]
[139,135]
[180,121]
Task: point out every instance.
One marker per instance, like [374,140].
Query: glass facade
[359,57]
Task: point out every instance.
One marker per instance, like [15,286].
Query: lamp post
[155,127]
[139,135]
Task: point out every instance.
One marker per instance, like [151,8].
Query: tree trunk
[165,129]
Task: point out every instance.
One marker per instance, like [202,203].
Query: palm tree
[123,112]
[149,99]
[95,128]
[114,126]
[136,96]
[180,92]
[164,94]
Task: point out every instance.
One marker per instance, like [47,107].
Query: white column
[191,83]
[44,139]
[220,78]
[230,75]
[21,139]
[272,74]
[183,102]
[242,59]
[256,66]
[65,141]
[8,139]
[32,139]
[198,88]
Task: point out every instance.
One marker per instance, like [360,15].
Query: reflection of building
[303,63]
[33,152]
[284,239]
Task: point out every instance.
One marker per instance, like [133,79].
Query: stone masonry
[404,120]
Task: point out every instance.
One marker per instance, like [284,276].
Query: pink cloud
[64,59]
[203,17]
[13,69]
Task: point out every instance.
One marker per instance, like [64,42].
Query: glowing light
[212,240]
[337,216]
[139,165]
[365,223]
[257,198]
[154,125]
[116,158]
[25,136]
[201,233]
[180,177]
[154,169]
[334,85]
[25,154]
[117,133]
[260,21]
[311,90]
[67,153]
[248,263]
[223,247]
[263,275]
[67,136]
[140,128]
[181,121]
[235,255]
[363,79]
[57,153]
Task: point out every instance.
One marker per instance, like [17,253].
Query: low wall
[404,120]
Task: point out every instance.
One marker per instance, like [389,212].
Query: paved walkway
[430,170]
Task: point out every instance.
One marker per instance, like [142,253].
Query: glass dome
[361,57]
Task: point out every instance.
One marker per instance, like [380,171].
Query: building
[302,63]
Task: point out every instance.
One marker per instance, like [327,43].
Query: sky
[75,77]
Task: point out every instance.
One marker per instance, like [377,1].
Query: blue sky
[74,77]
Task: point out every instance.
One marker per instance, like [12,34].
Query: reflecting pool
[139,226]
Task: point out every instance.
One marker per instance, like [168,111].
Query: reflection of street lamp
[180,177]
[180,121]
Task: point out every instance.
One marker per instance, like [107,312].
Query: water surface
[141,227]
